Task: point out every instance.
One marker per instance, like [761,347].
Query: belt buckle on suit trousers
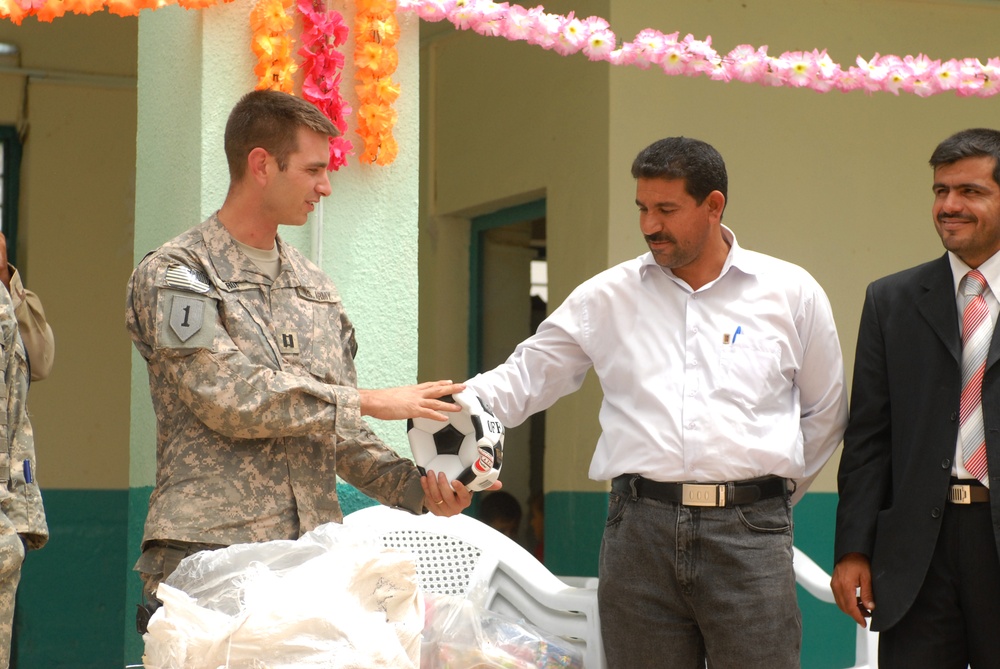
[960,494]
[703,494]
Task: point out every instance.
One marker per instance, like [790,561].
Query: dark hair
[270,120]
[971,143]
[499,505]
[697,162]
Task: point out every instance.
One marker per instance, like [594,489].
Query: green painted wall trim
[351,499]
[574,524]
[138,504]
[828,636]
[71,591]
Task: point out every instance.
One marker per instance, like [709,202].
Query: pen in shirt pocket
[727,339]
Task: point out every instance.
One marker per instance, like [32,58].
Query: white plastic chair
[453,553]
[816,582]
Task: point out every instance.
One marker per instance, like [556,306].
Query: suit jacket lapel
[994,353]
[938,308]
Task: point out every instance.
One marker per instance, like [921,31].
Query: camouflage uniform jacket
[20,497]
[254,390]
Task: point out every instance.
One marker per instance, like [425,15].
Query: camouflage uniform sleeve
[369,465]
[39,342]
[228,391]
[22,499]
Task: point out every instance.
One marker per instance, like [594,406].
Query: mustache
[658,237]
[942,218]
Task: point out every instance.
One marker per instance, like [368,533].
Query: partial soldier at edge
[22,521]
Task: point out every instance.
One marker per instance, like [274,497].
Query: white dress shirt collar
[737,257]
[989,269]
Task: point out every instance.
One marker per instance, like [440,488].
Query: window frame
[11,185]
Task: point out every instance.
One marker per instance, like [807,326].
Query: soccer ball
[468,447]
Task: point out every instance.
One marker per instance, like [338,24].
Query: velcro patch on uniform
[289,343]
[187,315]
[185,320]
[185,278]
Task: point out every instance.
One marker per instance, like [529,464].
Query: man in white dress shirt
[724,396]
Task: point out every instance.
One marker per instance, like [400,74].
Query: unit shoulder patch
[185,320]
[186,316]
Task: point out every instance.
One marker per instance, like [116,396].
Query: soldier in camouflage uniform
[251,363]
[22,521]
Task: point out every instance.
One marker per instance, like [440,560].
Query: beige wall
[75,235]
[836,182]
[506,123]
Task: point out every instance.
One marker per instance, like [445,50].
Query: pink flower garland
[322,32]
[567,35]
[691,57]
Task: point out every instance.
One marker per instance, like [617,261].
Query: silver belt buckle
[703,494]
[960,494]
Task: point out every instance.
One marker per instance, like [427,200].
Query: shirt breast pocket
[327,342]
[750,371]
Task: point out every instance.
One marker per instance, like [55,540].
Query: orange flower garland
[272,44]
[47,10]
[375,59]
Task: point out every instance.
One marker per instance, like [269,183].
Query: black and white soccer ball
[468,447]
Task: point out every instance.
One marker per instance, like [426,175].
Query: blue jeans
[680,585]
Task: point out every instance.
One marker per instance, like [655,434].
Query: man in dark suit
[918,531]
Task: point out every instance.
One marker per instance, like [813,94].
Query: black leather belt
[727,495]
[967,492]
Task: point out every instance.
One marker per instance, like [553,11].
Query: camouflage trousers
[11,557]
[160,559]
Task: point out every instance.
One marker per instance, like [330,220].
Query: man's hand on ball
[419,401]
[441,499]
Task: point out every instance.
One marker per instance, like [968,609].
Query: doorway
[508,298]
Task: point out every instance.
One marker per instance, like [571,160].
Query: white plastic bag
[458,632]
[332,599]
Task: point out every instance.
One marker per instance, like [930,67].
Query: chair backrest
[454,554]
[816,582]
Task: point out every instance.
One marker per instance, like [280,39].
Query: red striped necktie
[977,331]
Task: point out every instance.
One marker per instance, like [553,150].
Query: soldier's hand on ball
[419,401]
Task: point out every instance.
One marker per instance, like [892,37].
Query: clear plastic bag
[460,634]
[332,599]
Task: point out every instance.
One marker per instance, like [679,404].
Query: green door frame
[479,225]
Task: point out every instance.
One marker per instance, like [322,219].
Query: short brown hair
[270,120]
